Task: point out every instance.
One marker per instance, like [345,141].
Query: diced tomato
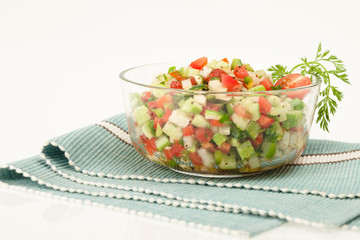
[176,75]
[212,106]
[266,83]
[167,153]
[156,121]
[225,147]
[143,139]
[149,149]
[177,149]
[145,96]
[217,73]
[264,105]
[258,140]
[167,98]
[193,82]
[240,72]
[152,143]
[236,88]
[241,111]
[225,60]
[165,117]
[152,114]
[152,104]
[294,80]
[265,121]
[214,122]
[199,63]
[176,84]
[203,134]
[196,160]
[208,146]
[188,130]
[228,81]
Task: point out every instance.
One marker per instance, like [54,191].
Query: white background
[59,66]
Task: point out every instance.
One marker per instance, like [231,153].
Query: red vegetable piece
[199,63]
[225,147]
[203,134]
[176,149]
[266,83]
[196,160]
[176,84]
[241,111]
[165,117]
[265,121]
[217,73]
[240,72]
[167,153]
[264,105]
[208,146]
[228,81]
[188,130]
[256,143]
[214,122]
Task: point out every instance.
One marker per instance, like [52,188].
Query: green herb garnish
[198,87]
[330,95]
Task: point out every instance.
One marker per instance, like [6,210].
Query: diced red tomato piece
[176,75]
[203,134]
[164,118]
[228,81]
[176,149]
[143,139]
[188,130]
[266,83]
[225,147]
[176,84]
[225,60]
[167,98]
[145,96]
[156,121]
[294,80]
[217,73]
[241,111]
[236,88]
[208,146]
[264,105]
[265,121]
[196,160]
[199,63]
[167,153]
[214,122]
[152,114]
[152,144]
[256,143]
[149,149]
[212,106]
[240,72]
[152,104]
[192,80]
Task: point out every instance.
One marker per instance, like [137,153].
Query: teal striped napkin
[97,165]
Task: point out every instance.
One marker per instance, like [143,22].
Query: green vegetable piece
[268,149]
[228,162]
[253,129]
[297,104]
[230,109]
[245,150]
[196,108]
[198,87]
[172,69]
[247,79]
[235,62]
[217,156]
[159,112]
[274,132]
[148,129]
[234,142]
[162,142]
[214,78]
[158,131]
[172,163]
[258,88]
[295,117]
[248,67]
[184,72]
[141,115]
[260,73]
[236,133]
[219,139]
[225,119]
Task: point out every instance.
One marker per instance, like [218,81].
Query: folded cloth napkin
[98,165]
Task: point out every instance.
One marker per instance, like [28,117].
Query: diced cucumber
[219,139]
[186,106]
[192,72]
[253,129]
[248,67]
[200,98]
[159,112]
[141,115]
[254,110]
[235,62]
[212,64]
[228,162]
[184,71]
[280,111]
[268,149]
[240,121]
[211,114]
[230,109]
[189,141]
[217,156]
[191,149]
[158,131]
[247,101]
[222,65]
[180,118]
[254,163]
[260,73]
[174,132]
[200,121]
[214,129]
[258,88]
[206,157]
[274,132]
[285,140]
[171,69]
[162,142]
[148,129]
[135,102]
[196,108]
[235,132]
[274,100]
[225,130]
[234,142]
[297,104]
[245,150]
[295,117]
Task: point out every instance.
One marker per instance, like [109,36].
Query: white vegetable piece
[186,84]
[224,130]
[180,118]
[207,157]
[189,141]
[205,72]
[201,99]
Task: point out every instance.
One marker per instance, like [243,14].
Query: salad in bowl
[218,118]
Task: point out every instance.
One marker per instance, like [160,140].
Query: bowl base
[212,175]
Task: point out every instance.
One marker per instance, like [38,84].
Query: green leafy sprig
[330,95]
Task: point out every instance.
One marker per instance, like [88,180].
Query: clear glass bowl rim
[122,76]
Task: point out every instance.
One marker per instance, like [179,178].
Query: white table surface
[59,65]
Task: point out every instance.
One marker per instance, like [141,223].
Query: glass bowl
[176,129]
